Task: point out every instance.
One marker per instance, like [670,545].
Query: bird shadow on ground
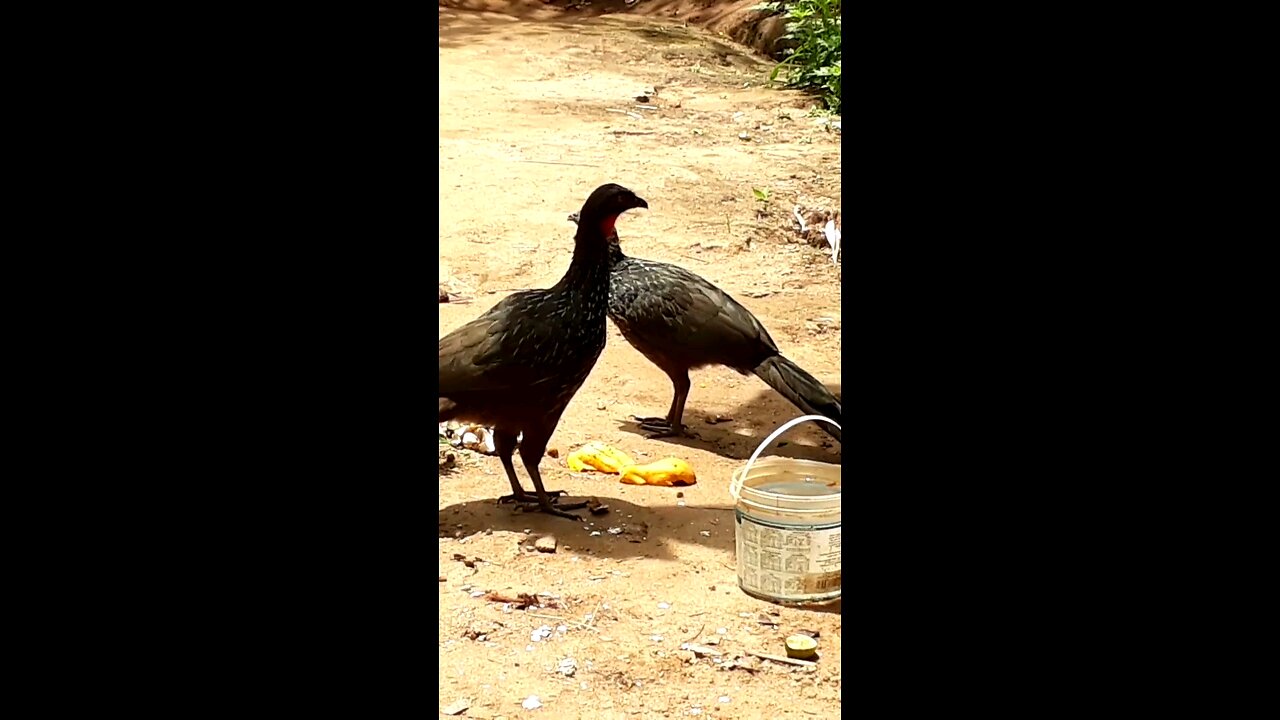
[738,434]
[662,525]
[627,530]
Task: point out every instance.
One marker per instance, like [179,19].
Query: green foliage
[812,60]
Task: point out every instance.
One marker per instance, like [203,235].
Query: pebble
[531,703]
[663,606]
[546,544]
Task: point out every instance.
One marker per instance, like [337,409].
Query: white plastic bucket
[788,525]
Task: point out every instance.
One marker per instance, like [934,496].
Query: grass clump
[811,58]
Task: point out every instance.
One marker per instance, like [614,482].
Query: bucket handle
[735,486]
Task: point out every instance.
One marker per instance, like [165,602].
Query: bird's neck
[590,265]
[615,250]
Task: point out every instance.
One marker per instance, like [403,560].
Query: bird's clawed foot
[552,498]
[527,498]
[550,509]
[532,503]
[660,428]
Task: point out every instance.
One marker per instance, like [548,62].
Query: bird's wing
[500,350]
[662,303]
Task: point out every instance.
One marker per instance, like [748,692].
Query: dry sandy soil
[527,130]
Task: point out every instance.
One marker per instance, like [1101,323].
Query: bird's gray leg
[672,424]
[531,449]
[504,444]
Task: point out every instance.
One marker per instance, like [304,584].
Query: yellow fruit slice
[667,472]
[801,647]
[597,456]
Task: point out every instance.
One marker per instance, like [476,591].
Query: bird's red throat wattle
[606,225]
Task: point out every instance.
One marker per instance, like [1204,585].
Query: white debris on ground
[818,227]
[477,438]
[833,239]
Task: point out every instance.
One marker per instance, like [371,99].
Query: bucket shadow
[832,607]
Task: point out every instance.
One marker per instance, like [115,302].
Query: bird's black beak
[640,203]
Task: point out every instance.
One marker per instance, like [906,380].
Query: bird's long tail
[802,389]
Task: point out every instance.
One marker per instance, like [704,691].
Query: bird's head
[601,210]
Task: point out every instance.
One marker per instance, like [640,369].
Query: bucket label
[788,564]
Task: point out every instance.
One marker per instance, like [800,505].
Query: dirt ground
[537,111]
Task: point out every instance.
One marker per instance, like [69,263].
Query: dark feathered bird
[680,322]
[516,367]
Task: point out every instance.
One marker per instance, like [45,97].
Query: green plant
[762,197]
[812,58]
